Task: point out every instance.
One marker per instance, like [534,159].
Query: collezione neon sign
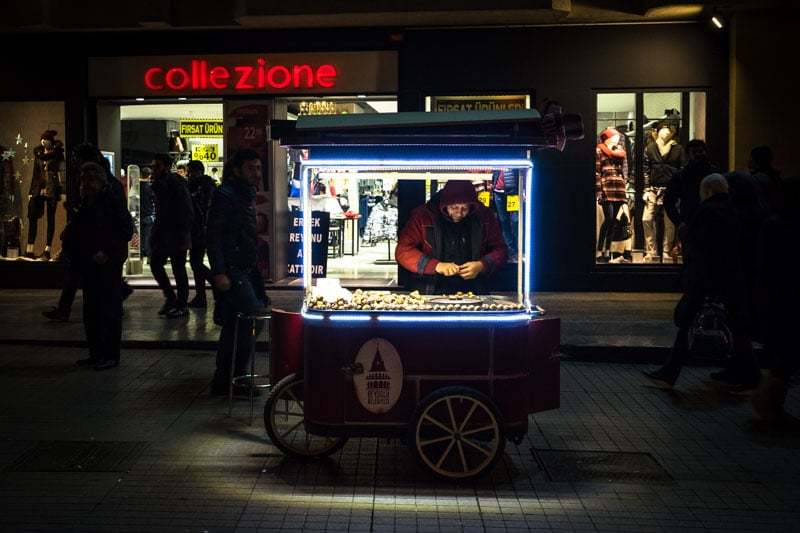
[201,76]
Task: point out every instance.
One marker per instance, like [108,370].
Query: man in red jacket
[452,243]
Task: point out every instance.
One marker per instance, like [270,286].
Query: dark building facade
[628,76]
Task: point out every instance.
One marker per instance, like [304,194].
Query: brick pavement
[202,471]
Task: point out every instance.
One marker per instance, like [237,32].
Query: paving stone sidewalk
[633,458]
[608,324]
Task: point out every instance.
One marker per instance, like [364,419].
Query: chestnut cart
[452,375]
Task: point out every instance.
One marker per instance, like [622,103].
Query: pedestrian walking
[232,252]
[83,153]
[102,229]
[766,176]
[682,196]
[777,294]
[201,188]
[713,271]
[170,237]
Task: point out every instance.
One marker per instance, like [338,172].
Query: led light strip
[353,317]
[528,242]
[429,164]
[378,164]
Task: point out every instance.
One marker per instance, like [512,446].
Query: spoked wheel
[284,418]
[457,433]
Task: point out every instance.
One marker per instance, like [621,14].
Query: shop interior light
[140,99]
[181,98]
[717,22]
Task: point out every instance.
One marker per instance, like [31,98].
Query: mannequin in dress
[663,157]
[610,180]
[46,189]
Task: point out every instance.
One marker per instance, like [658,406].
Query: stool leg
[253,370]
[233,358]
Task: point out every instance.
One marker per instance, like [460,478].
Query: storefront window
[363,208]
[640,140]
[33,183]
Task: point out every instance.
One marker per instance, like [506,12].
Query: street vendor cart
[453,375]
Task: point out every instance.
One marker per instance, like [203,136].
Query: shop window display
[639,148]
[32,180]
[362,208]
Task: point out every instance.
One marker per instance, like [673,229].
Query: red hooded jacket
[420,239]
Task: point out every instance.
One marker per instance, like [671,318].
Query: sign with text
[224,74]
[207,153]
[320,225]
[201,128]
[441,104]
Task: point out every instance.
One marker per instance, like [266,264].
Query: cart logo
[378,387]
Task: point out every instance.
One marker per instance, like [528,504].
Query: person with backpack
[713,274]
[102,228]
[201,188]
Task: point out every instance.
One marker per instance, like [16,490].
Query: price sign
[512,202]
[208,153]
[484,197]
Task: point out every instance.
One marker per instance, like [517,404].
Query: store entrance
[130,134]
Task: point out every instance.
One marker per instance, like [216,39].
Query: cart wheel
[457,433]
[284,419]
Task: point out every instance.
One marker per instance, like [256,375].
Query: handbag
[709,335]
[622,230]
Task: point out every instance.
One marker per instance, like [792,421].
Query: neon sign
[200,75]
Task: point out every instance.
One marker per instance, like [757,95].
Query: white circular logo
[378,387]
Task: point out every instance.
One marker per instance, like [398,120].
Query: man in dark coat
[232,252]
[452,243]
[202,188]
[778,291]
[713,260]
[170,237]
[682,197]
[767,177]
[103,227]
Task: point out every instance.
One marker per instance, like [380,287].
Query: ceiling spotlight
[140,99]
[181,98]
[717,22]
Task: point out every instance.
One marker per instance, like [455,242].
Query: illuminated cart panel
[453,374]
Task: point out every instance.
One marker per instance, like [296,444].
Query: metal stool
[251,376]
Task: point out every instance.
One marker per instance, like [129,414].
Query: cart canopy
[521,129]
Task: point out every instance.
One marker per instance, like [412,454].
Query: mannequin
[8,186]
[611,169]
[46,189]
[663,157]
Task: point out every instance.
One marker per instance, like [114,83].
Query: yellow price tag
[512,202]
[205,152]
[484,198]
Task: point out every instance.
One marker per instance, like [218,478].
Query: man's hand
[447,269]
[470,269]
[221,282]
[100,258]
